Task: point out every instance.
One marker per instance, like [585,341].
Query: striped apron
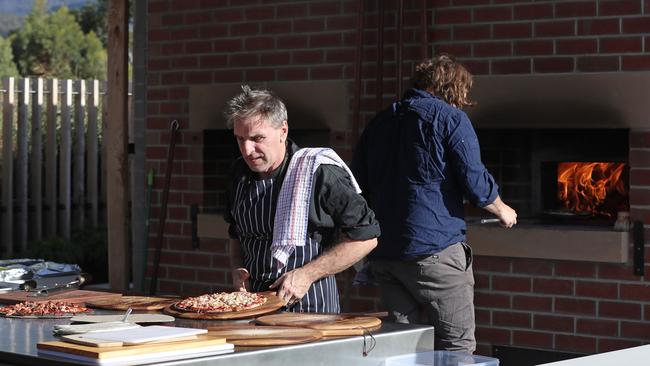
[254,211]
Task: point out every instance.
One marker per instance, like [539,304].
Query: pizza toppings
[222,302]
[42,308]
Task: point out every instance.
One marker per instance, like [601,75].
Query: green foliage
[53,45]
[87,247]
[93,17]
[7,66]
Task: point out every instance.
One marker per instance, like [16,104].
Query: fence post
[7,166]
[78,183]
[91,147]
[37,163]
[65,160]
[22,165]
[50,157]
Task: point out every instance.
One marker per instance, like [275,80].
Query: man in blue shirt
[415,162]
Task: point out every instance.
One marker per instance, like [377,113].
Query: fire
[583,187]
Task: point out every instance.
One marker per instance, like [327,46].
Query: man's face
[261,144]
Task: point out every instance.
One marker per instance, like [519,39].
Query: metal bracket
[639,251]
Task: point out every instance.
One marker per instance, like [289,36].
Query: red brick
[595,64]
[259,43]
[575,306]
[294,73]
[639,139]
[228,15]
[554,323]
[170,20]
[228,76]
[184,33]
[158,35]
[636,25]
[158,64]
[533,11]
[523,48]
[575,9]
[531,266]
[511,319]
[490,300]
[326,72]
[640,196]
[211,276]
[308,25]
[617,272]
[184,5]
[620,7]
[621,45]
[515,66]
[471,32]
[635,330]
[575,269]
[512,30]
[198,47]
[532,339]
[324,8]
[635,63]
[492,264]
[598,27]
[170,258]
[198,18]
[227,45]
[307,57]
[276,58]
[512,284]
[555,28]
[576,46]
[213,31]
[184,62]
[619,310]
[171,49]
[492,49]
[179,273]
[493,335]
[244,29]
[200,77]
[259,13]
[243,60]
[192,259]
[597,327]
[553,286]
[470,2]
[492,14]
[341,23]
[482,316]
[340,56]
[325,40]
[169,287]
[292,42]
[456,49]
[158,6]
[291,10]
[635,292]
[597,289]
[213,61]
[452,16]
[260,74]
[532,303]
[574,343]
[478,67]
[439,34]
[639,159]
[608,345]
[481,281]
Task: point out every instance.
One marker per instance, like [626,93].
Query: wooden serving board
[272,304]
[328,324]
[133,318]
[73,296]
[132,302]
[252,335]
[109,352]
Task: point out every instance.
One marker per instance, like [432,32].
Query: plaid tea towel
[292,211]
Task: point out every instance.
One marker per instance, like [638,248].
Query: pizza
[222,302]
[43,308]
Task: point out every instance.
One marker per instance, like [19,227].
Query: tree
[93,17]
[53,45]
[7,66]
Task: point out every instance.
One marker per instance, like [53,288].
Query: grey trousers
[442,285]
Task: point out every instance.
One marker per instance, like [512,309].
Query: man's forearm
[236,260]
[339,258]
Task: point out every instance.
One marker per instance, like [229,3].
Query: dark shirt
[335,209]
[415,161]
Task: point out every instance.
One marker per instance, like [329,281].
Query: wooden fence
[51,166]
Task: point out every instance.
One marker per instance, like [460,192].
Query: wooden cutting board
[272,304]
[132,302]
[252,335]
[73,296]
[329,325]
[109,352]
[133,318]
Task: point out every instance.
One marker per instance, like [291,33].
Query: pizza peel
[272,304]
[132,302]
[330,325]
[253,336]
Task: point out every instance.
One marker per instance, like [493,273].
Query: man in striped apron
[340,228]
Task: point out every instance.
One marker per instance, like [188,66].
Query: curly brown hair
[446,78]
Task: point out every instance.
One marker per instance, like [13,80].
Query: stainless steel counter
[18,338]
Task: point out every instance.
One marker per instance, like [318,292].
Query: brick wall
[583,307]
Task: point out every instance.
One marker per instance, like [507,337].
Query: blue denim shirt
[415,161]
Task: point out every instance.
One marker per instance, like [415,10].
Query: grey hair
[260,103]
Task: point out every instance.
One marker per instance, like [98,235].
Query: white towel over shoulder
[292,211]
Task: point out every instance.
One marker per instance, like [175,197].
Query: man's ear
[285,128]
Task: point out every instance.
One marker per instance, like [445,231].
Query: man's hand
[239,278]
[293,285]
[505,213]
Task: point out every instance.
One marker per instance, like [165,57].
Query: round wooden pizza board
[255,336]
[132,302]
[272,304]
[327,324]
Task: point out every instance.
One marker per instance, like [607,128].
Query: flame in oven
[584,187]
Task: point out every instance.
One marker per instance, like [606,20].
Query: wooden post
[78,186]
[65,161]
[22,165]
[92,157]
[8,167]
[50,156]
[116,145]
[36,185]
